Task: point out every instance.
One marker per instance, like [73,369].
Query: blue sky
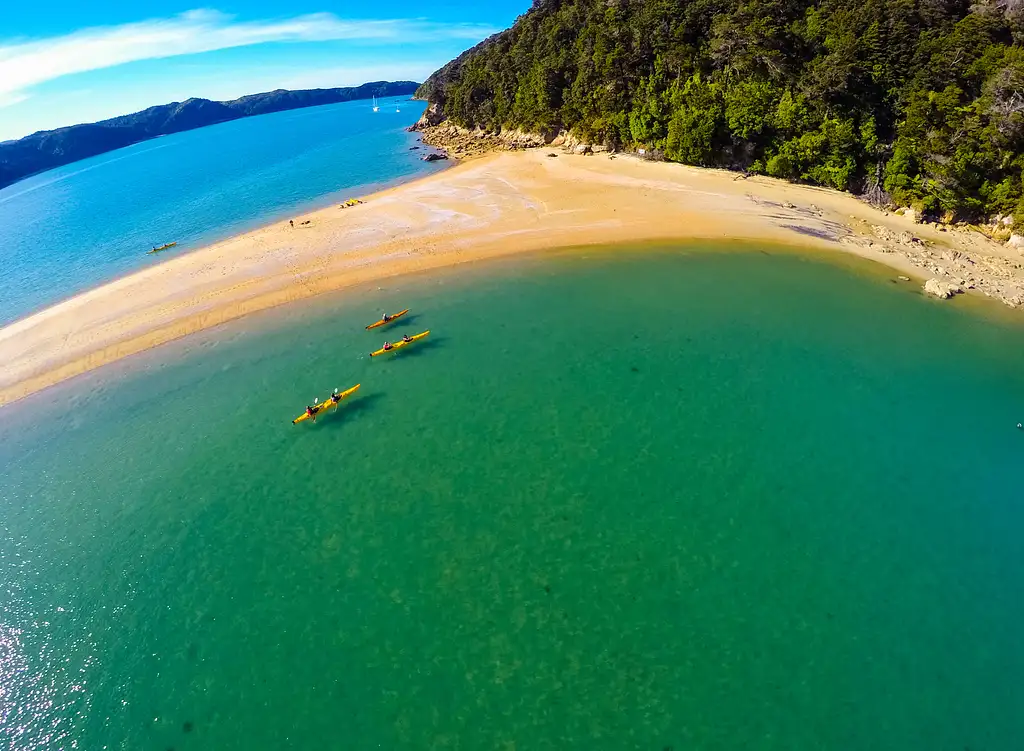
[84,61]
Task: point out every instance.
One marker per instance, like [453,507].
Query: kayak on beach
[387,319]
[318,407]
[399,344]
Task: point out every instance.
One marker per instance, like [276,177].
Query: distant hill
[52,148]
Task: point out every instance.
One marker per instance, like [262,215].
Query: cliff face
[917,102]
[52,148]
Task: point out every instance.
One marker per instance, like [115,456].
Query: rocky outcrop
[436,157]
[1016,241]
[463,143]
[950,264]
[941,289]
[432,117]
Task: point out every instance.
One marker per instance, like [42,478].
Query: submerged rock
[942,290]
[434,157]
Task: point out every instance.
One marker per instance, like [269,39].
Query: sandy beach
[500,204]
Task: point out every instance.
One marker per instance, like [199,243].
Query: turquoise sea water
[69,229]
[649,500]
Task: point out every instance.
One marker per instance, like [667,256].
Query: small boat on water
[399,344]
[376,107]
[326,404]
[162,247]
[387,319]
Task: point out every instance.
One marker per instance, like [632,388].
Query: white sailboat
[375,107]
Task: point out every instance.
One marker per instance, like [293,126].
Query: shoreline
[488,207]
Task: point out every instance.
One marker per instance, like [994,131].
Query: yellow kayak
[390,319]
[399,344]
[327,404]
[162,247]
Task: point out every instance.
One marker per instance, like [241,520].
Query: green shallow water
[639,501]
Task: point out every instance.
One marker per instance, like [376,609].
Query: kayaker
[385,318]
[335,397]
[387,346]
[312,412]
[406,338]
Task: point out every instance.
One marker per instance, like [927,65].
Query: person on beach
[292,223]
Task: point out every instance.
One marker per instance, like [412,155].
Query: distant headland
[52,148]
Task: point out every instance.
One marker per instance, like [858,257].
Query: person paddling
[385,318]
[387,346]
[406,338]
[335,397]
[311,411]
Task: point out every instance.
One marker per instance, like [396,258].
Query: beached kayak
[385,323]
[325,405]
[399,344]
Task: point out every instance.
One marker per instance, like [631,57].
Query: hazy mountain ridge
[52,148]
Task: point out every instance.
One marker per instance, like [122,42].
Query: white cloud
[26,64]
[9,98]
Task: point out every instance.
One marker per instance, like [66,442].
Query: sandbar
[500,204]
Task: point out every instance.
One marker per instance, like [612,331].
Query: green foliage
[825,91]
[694,129]
[749,108]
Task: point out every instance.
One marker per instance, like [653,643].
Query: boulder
[942,290]
[583,148]
[1015,241]
[434,157]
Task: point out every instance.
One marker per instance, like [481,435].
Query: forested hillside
[919,100]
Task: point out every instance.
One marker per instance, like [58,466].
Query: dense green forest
[920,102]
